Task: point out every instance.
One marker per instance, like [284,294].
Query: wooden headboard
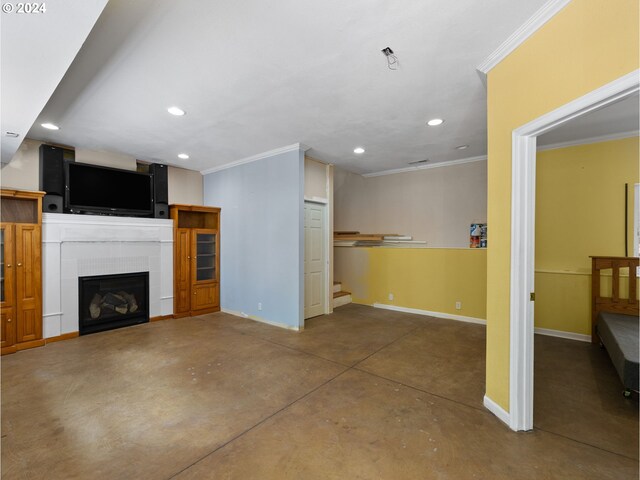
[628,304]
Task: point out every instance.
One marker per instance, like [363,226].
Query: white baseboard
[559,333]
[461,318]
[261,320]
[497,410]
[449,316]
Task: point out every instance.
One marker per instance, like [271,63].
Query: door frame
[328,289]
[523,184]
[636,219]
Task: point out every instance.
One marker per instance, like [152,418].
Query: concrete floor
[361,394]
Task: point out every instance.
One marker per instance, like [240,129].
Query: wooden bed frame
[614,304]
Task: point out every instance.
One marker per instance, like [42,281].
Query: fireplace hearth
[113,301]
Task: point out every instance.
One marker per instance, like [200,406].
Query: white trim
[261,320]
[531,26]
[618,89]
[448,316]
[590,140]
[522,282]
[496,409]
[66,219]
[636,220]
[460,318]
[259,156]
[329,238]
[522,272]
[560,334]
[481,158]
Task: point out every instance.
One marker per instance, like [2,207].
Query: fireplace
[113,301]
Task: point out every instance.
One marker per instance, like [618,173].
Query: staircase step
[337,286]
[341,298]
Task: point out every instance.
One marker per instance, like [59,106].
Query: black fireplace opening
[113,301]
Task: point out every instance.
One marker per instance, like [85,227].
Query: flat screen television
[105,190]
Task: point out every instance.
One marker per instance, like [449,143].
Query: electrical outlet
[260,306]
[458,305]
[391,296]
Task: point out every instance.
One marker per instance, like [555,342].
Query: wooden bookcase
[20,270]
[196,260]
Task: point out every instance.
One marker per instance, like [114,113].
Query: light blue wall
[262,237]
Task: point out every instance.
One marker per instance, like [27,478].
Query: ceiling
[620,118]
[36,51]
[255,76]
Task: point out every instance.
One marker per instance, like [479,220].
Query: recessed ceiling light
[462,147]
[435,122]
[358,150]
[178,112]
[183,156]
[50,126]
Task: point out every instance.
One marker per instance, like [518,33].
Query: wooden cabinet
[20,270]
[196,258]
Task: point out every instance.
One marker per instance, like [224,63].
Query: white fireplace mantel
[75,246]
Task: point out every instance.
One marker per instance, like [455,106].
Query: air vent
[418,162]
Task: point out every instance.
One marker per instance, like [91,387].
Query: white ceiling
[254,76]
[36,51]
[622,117]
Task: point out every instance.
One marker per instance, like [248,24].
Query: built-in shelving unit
[20,270]
[196,259]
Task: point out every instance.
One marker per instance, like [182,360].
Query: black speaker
[160,183]
[161,210]
[52,203]
[52,170]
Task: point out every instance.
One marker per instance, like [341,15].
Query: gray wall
[22,173]
[261,235]
[436,204]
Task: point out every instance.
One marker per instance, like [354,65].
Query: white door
[315,264]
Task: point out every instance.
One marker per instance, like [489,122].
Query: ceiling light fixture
[50,126]
[178,112]
[462,147]
[392,60]
[183,156]
[358,150]
[435,122]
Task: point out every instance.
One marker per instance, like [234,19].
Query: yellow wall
[431,279]
[585,46]
[579,212]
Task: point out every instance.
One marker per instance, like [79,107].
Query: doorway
[315,260]
[584,169]
[523,238]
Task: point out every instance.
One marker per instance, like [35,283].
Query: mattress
[619,335]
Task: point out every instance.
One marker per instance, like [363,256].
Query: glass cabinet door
[205,255]
[6,267]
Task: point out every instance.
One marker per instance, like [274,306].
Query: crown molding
[481,158]
[590,140]
[259,156]
[542,16]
